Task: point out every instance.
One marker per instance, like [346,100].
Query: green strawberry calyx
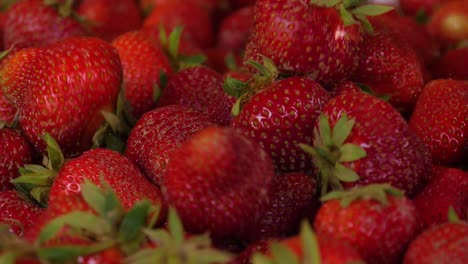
[377,192]
[266,74]
[171,245]
[35,180]
[282,254]
[171,46]
[353,11]
[331,155]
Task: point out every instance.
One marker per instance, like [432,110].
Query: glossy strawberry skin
[158,133]
[195,20]
[33,24]
[442,244]
[439,119]
[282,116]
[142,61]
[448,188]
[110,18]
[303,39]
[129,184]
[293,197]
[390,66]
[17,213]
[62,88]
[451,65]
[380,233]
[15,151]
[393,152]
[219,181]
[200,88]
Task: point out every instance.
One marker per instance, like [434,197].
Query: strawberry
[293,197]
[32,23]
[447,188]
[451,65]
[7,110]
[109,18]
[418,7]
[158,133]
[409,31]
[209,5]
[449,23]
[241,3]
[355,146]
[200,88]
[143,62]
[309,248]
[439,119]
[442,244]
[18,213]
[376,219]
[222,60]
[311,38]
[62,89]
[15,151]
[195,20]
[225,176]
[390,66]
[234,30]
[280,116]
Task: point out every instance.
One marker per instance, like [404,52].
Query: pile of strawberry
[233,131]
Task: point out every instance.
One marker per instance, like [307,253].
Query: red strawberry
[143,62]
[222,60]
[280,116]
[208,5]
[451,65]
[443,244]
[449,23]
[416,7]
[158,133]
[409,31]
[377,220]
[234,30]
[32,23]
[129,184]
[447,188]
[17,213]
[195,20]
[219,181]
[7,110]
[15,151]
[439,119]
[307,38]
[307,247]
[356,146]
[390,66]
[62,89]
[110,18]
[293,197]
[200,88]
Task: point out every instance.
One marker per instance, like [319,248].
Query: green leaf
[346,16]
[163,35]
[94,197]
[342,129]
[351,3]
[310,244]
[54,153]
[325,130]
[163,79]
[209,256]
[371,10]
[236,108]
[230,61]
[114,142]
[42,179]
[175,227]
[8,258]
[334,195]
[70,253]
[234,87]
[174,41]
[259,67]
[282,254]
[147,256]
[191,61]
[366,24]
[452,215]
[308,149]
[351,152]
[134,221]
[345,174]
[158,236]
[81,220]
[258,258]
